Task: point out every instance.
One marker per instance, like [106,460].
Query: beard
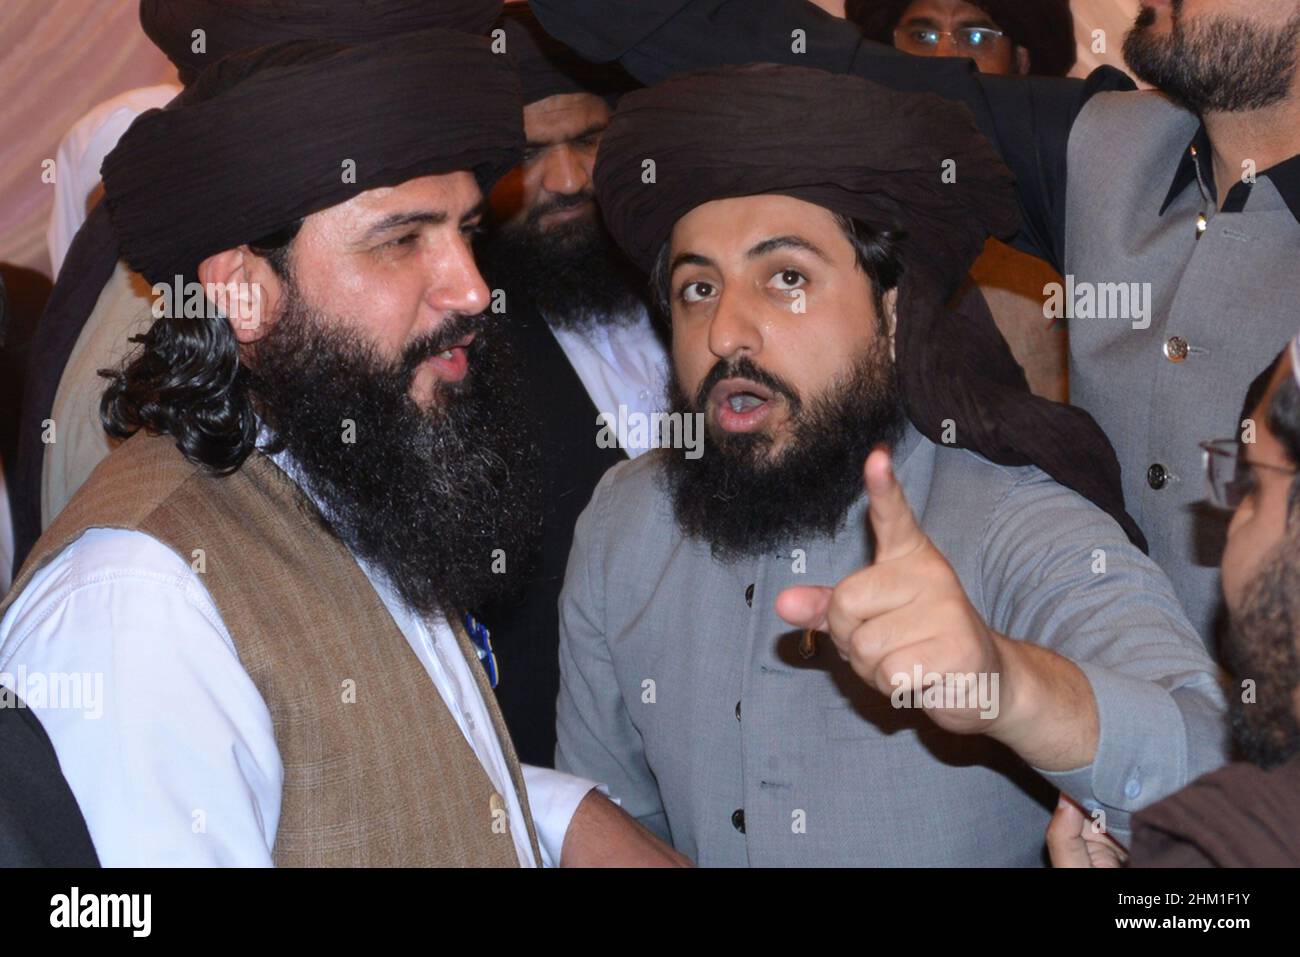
[426,496]
[1220,64]
[1262,648]
[744,498]
[574,274]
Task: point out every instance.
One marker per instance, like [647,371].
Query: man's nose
[456,283]
[565,171]
[733,328]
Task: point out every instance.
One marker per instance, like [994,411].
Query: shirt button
[1157,476]
[738,819]
[644,395]
[737,710]
[1133,788]
[1176,349]
[749,595]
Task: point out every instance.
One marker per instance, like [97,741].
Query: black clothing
[525,630]
[40,823]
[1028,119]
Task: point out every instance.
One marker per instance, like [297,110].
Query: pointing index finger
[892,520]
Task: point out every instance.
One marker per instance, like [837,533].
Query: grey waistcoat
[1233,296]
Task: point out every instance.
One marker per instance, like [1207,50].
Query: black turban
[548,68]
[230,26]
[879,156]
[1043,27]
[267,137]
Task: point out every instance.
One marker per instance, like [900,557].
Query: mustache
[1147,14]
[454,329]
[746,368]
[559,204]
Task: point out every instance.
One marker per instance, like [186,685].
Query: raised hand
[904,622]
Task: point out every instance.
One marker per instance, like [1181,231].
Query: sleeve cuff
[1141,749]
[553,797]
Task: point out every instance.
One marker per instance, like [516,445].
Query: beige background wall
[58,58]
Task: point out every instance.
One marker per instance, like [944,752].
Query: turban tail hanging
[267,137]
[905,161]
[231,26]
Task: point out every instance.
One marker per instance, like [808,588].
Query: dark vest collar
[1285,177]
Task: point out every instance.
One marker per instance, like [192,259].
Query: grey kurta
[691,703]
[1231,297]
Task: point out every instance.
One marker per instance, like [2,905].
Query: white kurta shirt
[620,365]
[6,536]
[80,154]
[164,739]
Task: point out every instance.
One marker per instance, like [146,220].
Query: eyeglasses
[1228,475]
[970,41]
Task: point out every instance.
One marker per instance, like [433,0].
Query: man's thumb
[895,527]
[805,606]
[1065,844]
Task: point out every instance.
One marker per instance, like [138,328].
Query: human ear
[890,303]
[244,287]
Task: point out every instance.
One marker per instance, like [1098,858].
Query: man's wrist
[1014,698]
[1046,710]
[554,798]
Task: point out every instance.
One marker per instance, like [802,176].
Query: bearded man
[270,572]
[1007,640]
[1246,814]
[1174,216]
[574,309]
[98,303]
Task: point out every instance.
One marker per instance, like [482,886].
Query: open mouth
[741,405]
[452,364]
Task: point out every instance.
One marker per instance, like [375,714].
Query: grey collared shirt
[681,687]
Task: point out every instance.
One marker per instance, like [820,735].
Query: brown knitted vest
[376,771]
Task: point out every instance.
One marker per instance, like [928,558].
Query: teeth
[445,355]
[744,403]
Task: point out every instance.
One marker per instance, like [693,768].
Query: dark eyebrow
[963,24]
[398,220]
[754,252]
[785,242]
[690,259]
[592,130]
[422,218]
